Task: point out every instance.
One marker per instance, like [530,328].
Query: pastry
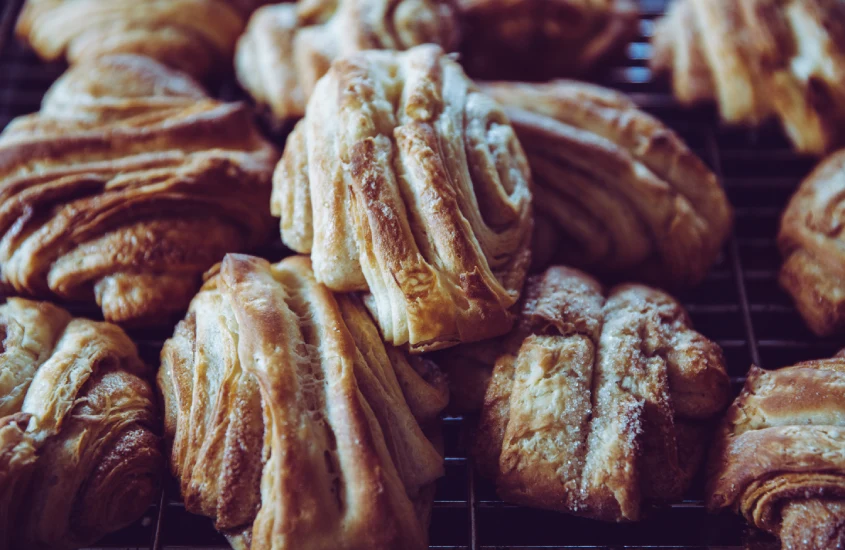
[617,193]
[79,457]
[288,47]
[543,39]
[406,183]
[779,458]
[195,36]
[291,424]
[598,402]
[760,59]
[811,243]
[126,186]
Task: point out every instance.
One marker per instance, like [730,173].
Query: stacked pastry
[290,422]
[195,36]
[79,457]
[779,459]
[126,186]
[405,182]
[760,59]
[288,47]
[542,39]
[617,192]
[598,401]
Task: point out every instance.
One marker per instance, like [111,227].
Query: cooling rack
[739,305]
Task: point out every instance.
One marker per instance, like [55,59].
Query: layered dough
[598,402]
[291,424]
[126,186]
[543,39]
[760,59]
[617,193]
[79,457]
[779,458]
[405,182]
[288,47]
[195,36]
[811,241]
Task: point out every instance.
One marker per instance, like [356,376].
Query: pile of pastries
[485,245]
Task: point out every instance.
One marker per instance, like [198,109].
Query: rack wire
[739,305]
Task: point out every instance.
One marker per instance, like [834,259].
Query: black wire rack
[739,305]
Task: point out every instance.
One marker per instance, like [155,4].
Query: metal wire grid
[739,305]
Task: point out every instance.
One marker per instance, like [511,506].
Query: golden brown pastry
[779,458]
[616,192]
[195,36]
[78,454]
[404,181]
[543,39]
[288,47]
[291,423]
[598,401]
[811,242]
[126,186]
[760,59]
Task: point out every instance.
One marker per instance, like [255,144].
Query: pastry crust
[760,59]
[405,182]
[598,403]
[810,241]
[617,193]
[126,186]
[779,458]
[290,422]
[78,454]
[543,39]
[288,47]
[195,36]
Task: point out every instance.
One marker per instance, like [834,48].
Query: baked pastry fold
[79,457]
[195,36]
[810,241]
[598,402]
[290,422]
[760,59]
[288,47]
[407,183]
[543,39]
[126,186]
[617,193]
[779,458]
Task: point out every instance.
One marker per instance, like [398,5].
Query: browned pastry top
[195,36]
[288,47]
[759,59]
[542,39]
[812,243]
[780,456]
[126,186]
[597,401]
[404,181]
[291,423]
[616,192]
[78,454]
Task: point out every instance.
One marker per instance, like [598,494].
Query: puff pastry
[760,59]
[405,182]
[810,241]
[779,458]
[291,423]
[598,402]
[195,36]
[78,454]
[543,39]
[288,47]
[126,186]
[616,192]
